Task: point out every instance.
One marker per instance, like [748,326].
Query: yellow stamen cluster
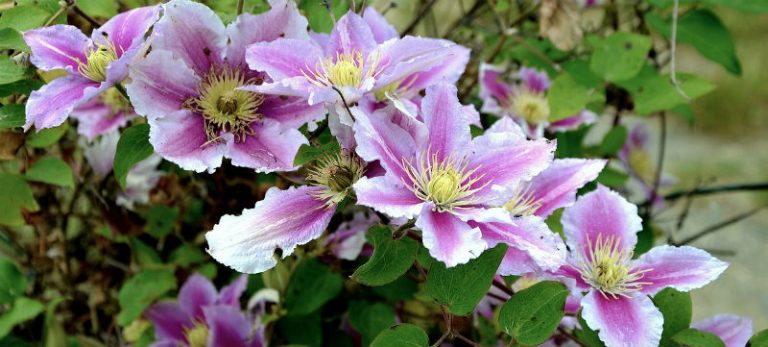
[531,106]
[224,107]
[347,70]
[336,173]
[197,336]
[393,90]
[607,268]
[448,183]
[523,203]
[97,61]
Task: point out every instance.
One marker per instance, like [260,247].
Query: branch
[718,189]
[718,226]
[240,7]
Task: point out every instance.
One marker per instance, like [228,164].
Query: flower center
[115,101]
[533,107]
[336,173]
[447,183]
[606,267]
[197,336]
[523,203]
[347,70]
[640,162]
[97,61]
[224,107]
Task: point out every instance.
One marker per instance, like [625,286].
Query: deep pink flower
[600,230]
[525,102]
[452,183]
[187,86]
[93,65]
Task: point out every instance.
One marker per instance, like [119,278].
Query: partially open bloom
[285,218]
[526,101]
[600,230]
[103,114]
[348,240]
[188,87]
[93,65]
[637,160]
[735,331]
[450,182]
[203,317]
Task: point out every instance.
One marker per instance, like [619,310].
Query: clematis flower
[735,331]
[600,230]
[285,218]
[450,182]
[141,179]
[637,160]
[526,101]
[93,65]
[187,86]
[348,240]
[103,114]
[531,202]
[204,318]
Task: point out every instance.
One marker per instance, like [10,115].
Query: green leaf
[186,255]
[302,330]
[12,116]
[132,148]
[579,70]
[309,153]
[15,196]
[319,19]
[98,8]
[10,71]
[532,315]
[759,340]
[586,335]
[51,170]
[566,97]
[697,338]
[401,289]
[390,259]
[141,290]
[676,307]
[461,287]
[614,140]
[370,318]
[755,6]
[47,137]
[22,310]
[311,286]
[24,17]
[12,39]
[703,30]
[12,282]
[652,92]
[160,220]
[620,56]
[54,334]
[403,335]
[143,254]
[612,178]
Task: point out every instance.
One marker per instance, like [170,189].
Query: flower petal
[127,29]
[50,106]
[535,80]
[292,112]
[196,293]
[448,238]
[623,322]
[351,34]
[193,32]
[683,268]
[381,29]
[94,118]
[283,58]
[556,186]
[444,116]
[160,83]
[227,326]
[379,138]
[272,147]
[570,123]
[284,220]
[57,47]
[180,137]
[386,195]
[230,295]
[602,211]
[170,321]
[495,93]
[282,20]
[735,331]
[528,234]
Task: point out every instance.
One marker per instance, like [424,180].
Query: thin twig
[419,16]
[741,187]
[58,13]
[85,16]
[403,229]
[468,341]
[673,51]
[718,226]
[503,287]
[570,336]
[344,101]
[659,162]
[327,6]
[467,19]
[240,4]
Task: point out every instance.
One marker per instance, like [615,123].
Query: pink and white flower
[93,65]
[526,101]
[600,230]
[437,173]
[735,331]
[188,87]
